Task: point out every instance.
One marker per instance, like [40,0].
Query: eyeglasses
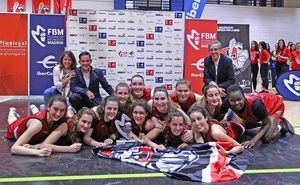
[213,49]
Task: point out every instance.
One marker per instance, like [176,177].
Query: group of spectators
[281,60]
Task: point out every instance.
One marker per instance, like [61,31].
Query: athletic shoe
[286,127]
[13,110]
[42,107]
[33,109]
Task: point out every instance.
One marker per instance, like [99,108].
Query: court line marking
[129,176]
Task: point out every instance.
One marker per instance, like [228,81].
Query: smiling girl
[206,130]
[35,128]
[104,131]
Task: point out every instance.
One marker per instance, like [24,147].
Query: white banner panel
[125,43]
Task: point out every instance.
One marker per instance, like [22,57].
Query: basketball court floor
[274,163]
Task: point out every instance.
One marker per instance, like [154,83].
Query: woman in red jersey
[35,128]
[254,56]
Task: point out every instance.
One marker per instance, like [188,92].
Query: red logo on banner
[150,72]
[169,22]
[112,42]
[199,33]
[92,27]
[62,6]
[73,12]
[168,86]
[16,5]
[150,36]
[112,65]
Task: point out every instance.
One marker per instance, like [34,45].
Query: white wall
[266,24]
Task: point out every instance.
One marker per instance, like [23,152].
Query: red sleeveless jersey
[184,106]
[273,105]
[18,127]
[233,130]
[103,130]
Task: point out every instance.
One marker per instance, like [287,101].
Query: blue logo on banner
[178,15]
[140,65]
[288,85]
[194,8]
[140,43]
[159,79]
[47,42]
[102,35]
[159,29]
[82,20]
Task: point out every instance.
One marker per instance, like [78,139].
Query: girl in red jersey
[35,128]
[264,59]
[184,96]
[254,56]
[172,133]
[206,130]
[122,92]
[140,122]
[257,109]
[69,136]
[295,57]
[211,101]
[104,132]
[282,56]
[138,90]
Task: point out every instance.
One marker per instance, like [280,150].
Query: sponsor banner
[127,43]
[193,8]
[14,55]
[235,44]
[41,6]
[199,33]
[47,42]
[288,85]
[16,5]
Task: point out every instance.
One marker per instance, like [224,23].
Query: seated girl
[104,131]
[206,130]
[172,133]
[122,92]
[34,129]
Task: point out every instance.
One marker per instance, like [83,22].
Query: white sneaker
[12,115]
[33,109]
[42,107]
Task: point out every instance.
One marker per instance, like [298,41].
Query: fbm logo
[48,62]
[194,38]
[40,34]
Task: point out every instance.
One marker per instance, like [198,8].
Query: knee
[75,97]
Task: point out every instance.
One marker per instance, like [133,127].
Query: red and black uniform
[233,130]
[103,130]
[67,140]
[258,106]
[264,67]
[136,129]
[159,115]
[295,58]
[254,55]
[171,139]
[184,106]
[146,94]
[18,127]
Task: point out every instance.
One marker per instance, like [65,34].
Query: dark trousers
[254,71]
[281,68]
[264,75]
[79,100]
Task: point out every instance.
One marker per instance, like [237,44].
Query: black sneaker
[286,127]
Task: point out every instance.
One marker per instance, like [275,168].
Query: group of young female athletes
[158,120]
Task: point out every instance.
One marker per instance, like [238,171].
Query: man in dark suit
[85,85]
[218,69]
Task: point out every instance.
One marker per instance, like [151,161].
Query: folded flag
[198,162]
